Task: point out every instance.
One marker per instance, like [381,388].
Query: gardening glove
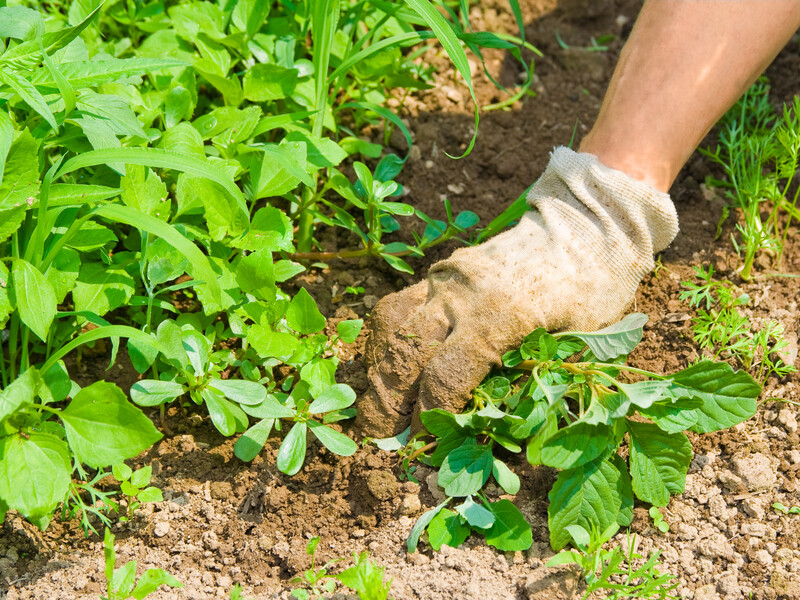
[572,263]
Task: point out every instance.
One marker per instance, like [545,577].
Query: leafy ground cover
[224,522]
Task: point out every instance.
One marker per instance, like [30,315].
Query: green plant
[318,581]
[163,167]
[573,415]
[364,577]
[794,510]
[720,328]
[135,487]
[659,522]
[759,153]
[236,593]
[122,582]
[620,572]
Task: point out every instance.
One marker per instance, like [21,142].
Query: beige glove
[572,263]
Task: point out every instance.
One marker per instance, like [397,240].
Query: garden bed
[225,522]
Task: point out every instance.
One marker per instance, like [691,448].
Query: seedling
[317,581]
[364,577]
[122,582]
[659,522]
[573,415]
[135,486]
[615,571]
[794,510]
[721,329]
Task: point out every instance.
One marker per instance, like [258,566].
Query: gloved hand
[572,263]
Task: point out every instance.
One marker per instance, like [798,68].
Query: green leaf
[63,272]
[644,393]
[336,442]
[510,531]
[101,288]
[153,579]
[475,514]
[658,462]
[124,580]
[152,392]
[615,340]
[270,343]
[265,82]
[270,408]
[103,428]
[227,417]
[255,275]
[673,417]
[292,452]
[150,494]
[446,528]
[505,477]
[249,445]
[82,74]
[420,525]
[335,397]
[348,330]
[20,23]
[303,315]
[284,270]
[20,392]
[21,174]
[589,495]
[729,397]
[121,472]
[34,297]
[144,191]
[34,474]
[240,390]
[62,194]
[141,477]
[466,469]
[576,445]
[270,230]
[544,433]
[29,94]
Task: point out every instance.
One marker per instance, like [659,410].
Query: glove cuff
[618,203]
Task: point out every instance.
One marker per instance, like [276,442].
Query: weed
[759,152]
[620,572]
[122,582]
[135,487]
[721,329]
[659,522]
[573,415]
[364,577]
[794,510]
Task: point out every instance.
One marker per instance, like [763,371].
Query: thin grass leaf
[82,74]
[452,46]
[112,331]
[400,40]
[324,18]
[64,88]
[155,157]
[386,114]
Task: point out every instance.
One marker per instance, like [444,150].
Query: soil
[223,522]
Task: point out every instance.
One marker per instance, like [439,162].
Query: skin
[686,62]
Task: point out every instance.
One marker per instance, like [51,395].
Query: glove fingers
[405,332]
[458,367]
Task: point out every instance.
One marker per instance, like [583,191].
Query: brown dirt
[225,522]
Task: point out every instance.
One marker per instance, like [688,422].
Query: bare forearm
[685,64]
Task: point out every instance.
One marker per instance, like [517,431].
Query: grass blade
[452,46]
[155,157]
[26,90]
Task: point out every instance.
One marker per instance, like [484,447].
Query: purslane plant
[578,405]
